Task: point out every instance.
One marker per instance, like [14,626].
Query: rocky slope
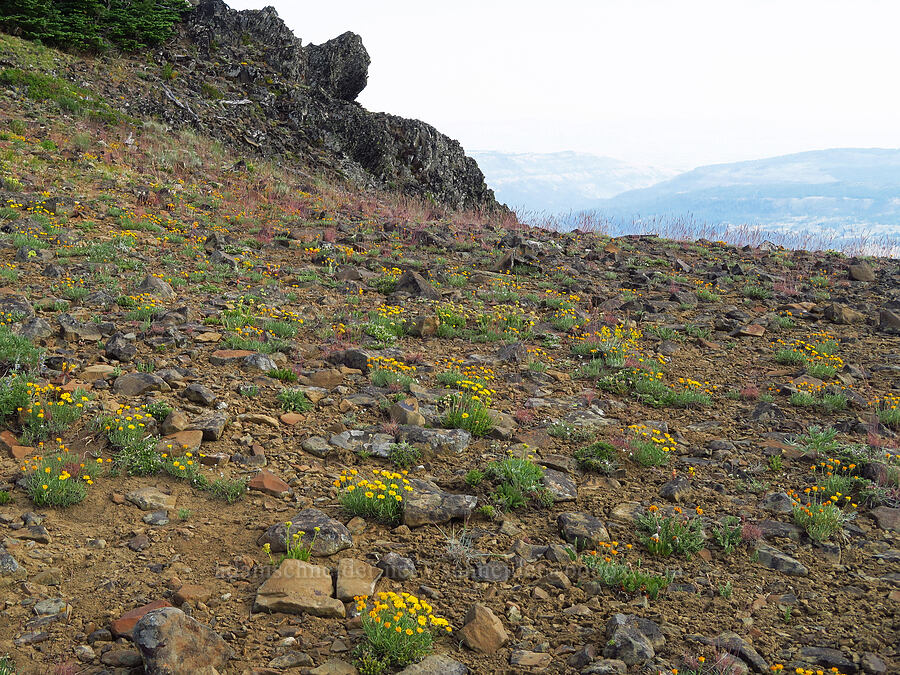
[215,347]
[244,78]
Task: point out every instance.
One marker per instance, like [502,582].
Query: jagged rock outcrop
[244,77]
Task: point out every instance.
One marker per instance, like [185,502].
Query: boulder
[299,587]
[483,631]
[171,643]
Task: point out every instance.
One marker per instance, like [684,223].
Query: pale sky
[675,83]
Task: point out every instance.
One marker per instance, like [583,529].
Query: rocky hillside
[244,78]
[254,420]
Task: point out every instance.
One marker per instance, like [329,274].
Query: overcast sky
[673,83]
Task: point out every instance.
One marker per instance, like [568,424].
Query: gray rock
[491,572]
[118,347]
[441,441]
[340,66]
[427,503]
[331,538]
[171,642]
[734,644]
[780,561]
[211,424]
[397,567]
[436,664]
[156,286]
[16,304]
[199,393]
[258,363]
[560,485]
[151,499]
[9,566]
[861,272]
[414,284]
[582,529]
[889,321]
[676,489]
[137,384]
[829,658]
[605,667]
[51,607]
[218,257]
[373,443]
[291,660]
[632,639]
[35,328]
[777,502]
[373,148]
[72,330]
[157,518]
[316,445]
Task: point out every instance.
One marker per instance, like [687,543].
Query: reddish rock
[72,385]
[753,330]
[268,482]
[291,418]
[22,451]
[483,631]
[123,626]
[8,441]
[192,593]
[326,379]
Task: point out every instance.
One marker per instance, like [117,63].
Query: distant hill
[845,191]
[561,181]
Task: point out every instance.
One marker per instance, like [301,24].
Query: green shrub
[159,410]
[17,352]
[665,535]
[227,490]
[283,374]
[93,25]
[622,576]
[294,400]
[600,457]
[57,480]
[404,455]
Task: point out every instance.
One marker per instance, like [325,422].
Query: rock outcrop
[244,77]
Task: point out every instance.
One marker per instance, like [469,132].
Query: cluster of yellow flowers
[50,404]
[391,364]
[507,319]
[778,667]
[617,341]
[694,385]
[565,317]
[472,373]
[402,612]
[380,498]
[476,392]
[376,489]
[817,349]
[392,273]
[392,312]
[656,436]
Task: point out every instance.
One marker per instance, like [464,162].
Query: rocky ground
[271,337]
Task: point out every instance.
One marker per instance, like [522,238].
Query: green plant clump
[93,25]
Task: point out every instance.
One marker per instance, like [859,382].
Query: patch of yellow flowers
[380,498]
[398,626]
